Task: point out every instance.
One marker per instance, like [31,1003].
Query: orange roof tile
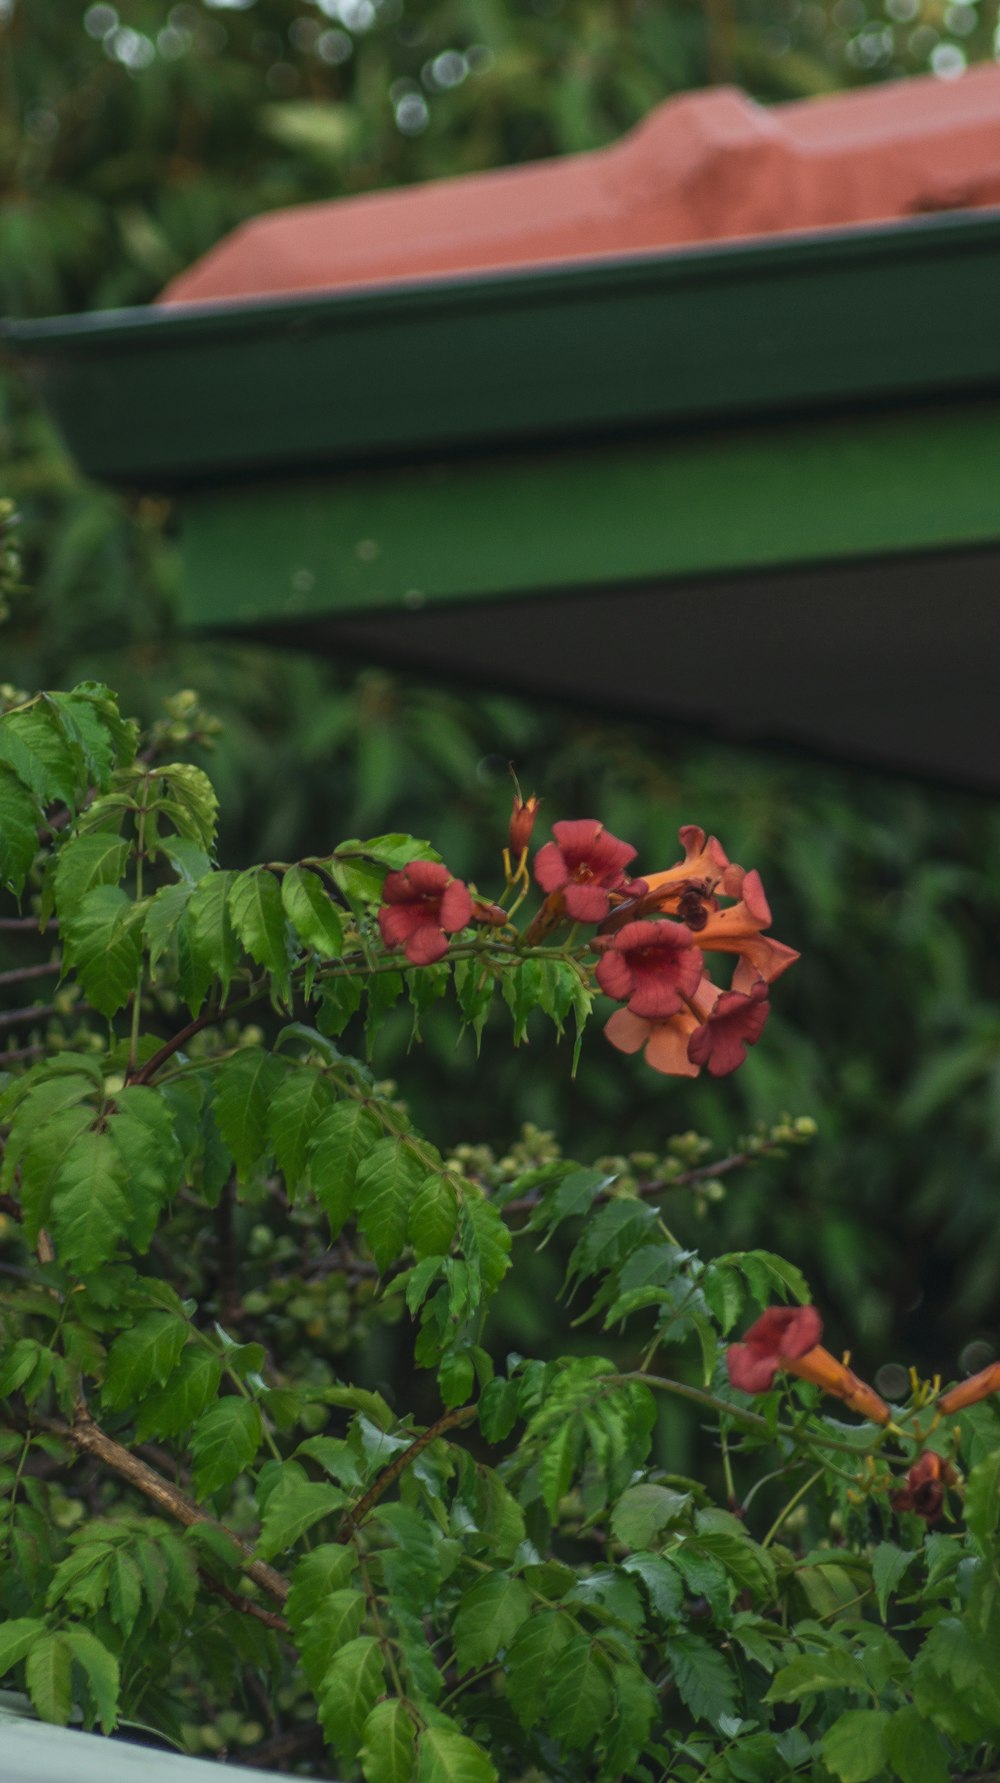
[707,166]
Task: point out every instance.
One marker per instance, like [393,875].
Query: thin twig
[87,1436]
[353,1518]
[245,1605]
[208,1020]
[12,925]
[21,974]
[661,1185]
[15,1018]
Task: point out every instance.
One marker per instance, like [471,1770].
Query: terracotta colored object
[708,166]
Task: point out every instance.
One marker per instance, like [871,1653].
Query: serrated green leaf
[531,1654]
[293,1507]
[143,1358]
[889,1563]
[333,1623]
[353,1681]
[90,1202]
[296,1109]
[212,942]
[171,1409]
[662,1581]
[344,1136]
[854,1748]
[49,1677]
[433,1217]
[811,1673]
[101,1669]
[124,1591]
[19,819]
[474,987]
[388,1744]
[16,1639]
[191,801]
[578,1694]
[387,1179]
[705,1683]
[484,1238]
[224,1441]
[636,1707]
[312,912]
[102,939]
[258,919]
[982,1498]
[644,1510]
[326,1570]
[166,909]
[85,862]
[914,1750]
[444,1756]
[498,1409]
[488,1617]
[33,748]
[244,1087]
[521,987]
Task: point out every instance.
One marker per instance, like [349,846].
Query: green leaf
[143,1358]
[90,1201]
[388,1750]
[521,987]
[101,1668]
[643,1511]
[809,1674]
[224,1441]
[484,1237]
[166,908]
[854,1748]
[578,1694]
[191,802]
[258,918]
[18,832]
[636,1707]
[171,1409]
[211,938]
[84,863]
[474,987]
[333,1623]
[982,1498]
[914,1750]
[102,939]
[433,1217]
[298,1105]
[448,1757]
[343,1138]
[16,1638]
[487,1619]
[312,912]
[124,1591]
[388,1177]
[498,1409]
[705,1683]
[663,1583]
[348,1693]
[530,1658]
[32,747]
[316,1577]
[889,1563]
[293,1507]
[244,1087]
[49,1677]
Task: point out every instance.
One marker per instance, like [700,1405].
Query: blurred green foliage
[130,141]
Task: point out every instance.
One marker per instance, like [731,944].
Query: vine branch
[353,1518]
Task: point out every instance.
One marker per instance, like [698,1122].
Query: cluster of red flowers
[653,935]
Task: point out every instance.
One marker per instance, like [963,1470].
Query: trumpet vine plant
[220,1531]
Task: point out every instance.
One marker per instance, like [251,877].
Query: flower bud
[978,1386]
[522,822]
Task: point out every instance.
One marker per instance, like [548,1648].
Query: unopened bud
[522,822]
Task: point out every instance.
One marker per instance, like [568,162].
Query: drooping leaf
[705,1682]
[889,1563]
[101,1669]
[578,1694]
[312,912]
[293,1507]
[16,1639]
[531,1655]
[854,1748]
[353,1682]
[485,1238]
[18,832]
[433,1217]
[488,1617]
[643,1511]
[190,802]
[258,919]
[244,1087]
[914,1749]
[172,1408]
[445,1756]
[388,1749]
[102,939]
[49,1677]
[90,1201]
[142,1358]
[85,862]
[387,1180]
[334,1622]
[325,1570]
[212,941]
[297,1107]
[224,1441]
